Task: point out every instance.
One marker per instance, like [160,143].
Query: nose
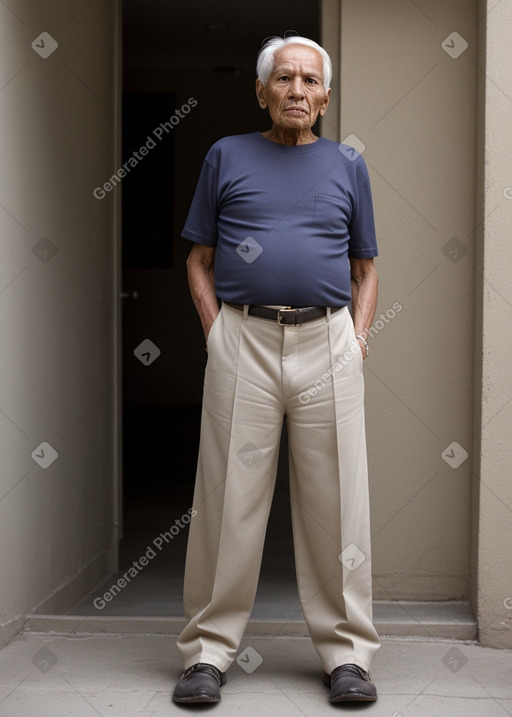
[296,89]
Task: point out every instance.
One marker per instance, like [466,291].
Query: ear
[323,108]
[260,94]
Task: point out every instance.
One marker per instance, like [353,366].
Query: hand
[363,348]
[207,328]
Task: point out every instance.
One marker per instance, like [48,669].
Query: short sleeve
[363,240]
[201,223]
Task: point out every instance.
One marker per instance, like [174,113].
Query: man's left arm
[364,281]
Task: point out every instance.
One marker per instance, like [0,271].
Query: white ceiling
[220,33]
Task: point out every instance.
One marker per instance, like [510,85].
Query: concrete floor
[43,675]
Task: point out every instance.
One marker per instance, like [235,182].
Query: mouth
[296,111]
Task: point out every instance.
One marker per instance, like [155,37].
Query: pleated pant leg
[329,496]
[258,372]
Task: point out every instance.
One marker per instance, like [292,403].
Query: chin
[295,123]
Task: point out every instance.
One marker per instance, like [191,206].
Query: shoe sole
[196,699]
[353,698]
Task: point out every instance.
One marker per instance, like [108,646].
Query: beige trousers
[258,372]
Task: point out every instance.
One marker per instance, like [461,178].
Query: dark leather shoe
[200,683]
[350,683]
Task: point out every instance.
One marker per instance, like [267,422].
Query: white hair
[265,63]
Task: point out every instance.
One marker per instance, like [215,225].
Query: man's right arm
[201,282]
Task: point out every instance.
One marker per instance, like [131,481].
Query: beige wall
[414,107]
[58,310]
[493,445]
[438,134]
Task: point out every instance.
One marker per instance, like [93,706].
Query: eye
[311,80]
[284,78]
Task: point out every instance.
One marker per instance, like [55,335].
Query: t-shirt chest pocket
[332,213]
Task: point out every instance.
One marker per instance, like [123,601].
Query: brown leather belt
[287,316]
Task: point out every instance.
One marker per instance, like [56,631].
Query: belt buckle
[285,308]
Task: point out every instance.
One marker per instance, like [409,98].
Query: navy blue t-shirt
[284,220]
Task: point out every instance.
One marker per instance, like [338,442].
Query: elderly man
[284,240]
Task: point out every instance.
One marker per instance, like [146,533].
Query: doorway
[188,79]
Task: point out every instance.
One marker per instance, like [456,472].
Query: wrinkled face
[294,93]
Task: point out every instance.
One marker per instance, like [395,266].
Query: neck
[290,137]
